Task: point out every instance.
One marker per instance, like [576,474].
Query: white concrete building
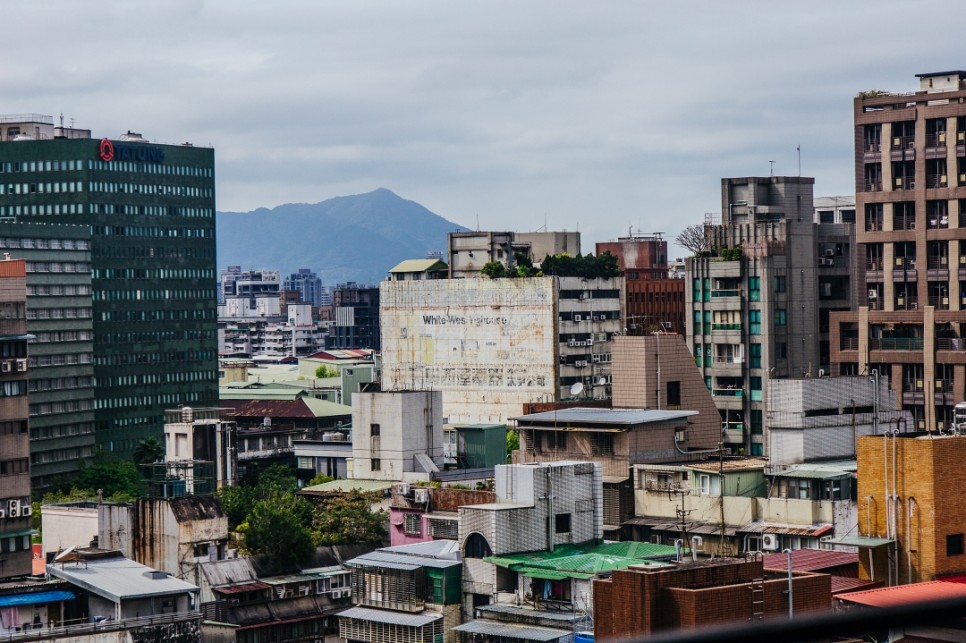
[396,435]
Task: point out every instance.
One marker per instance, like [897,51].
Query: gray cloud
[597,115]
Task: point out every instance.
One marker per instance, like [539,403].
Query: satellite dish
[64,553]
[602,381]
[576,389]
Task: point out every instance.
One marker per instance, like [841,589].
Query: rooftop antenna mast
[799,148]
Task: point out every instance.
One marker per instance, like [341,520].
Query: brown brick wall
[929,473]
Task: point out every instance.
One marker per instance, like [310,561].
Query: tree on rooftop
[348,518]
[695,238]
[276,530]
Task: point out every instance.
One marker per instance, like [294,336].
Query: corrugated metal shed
[345,486]
[418,265]
[885,597]
[386,616]
[231,571]
[743,464]
[512,631]
[813,531]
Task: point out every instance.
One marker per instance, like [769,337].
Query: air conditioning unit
[829,252]
[6,366]
[679,436]
[233,602]
[577,318]
[589,342]
[826,262]
[13,508]
[21,365]
[3,513]
[595,358]
[341,593]
[402,488]
[769,542]
[572,343]
[873,293]
[421,495]
[26,509]
[580,363]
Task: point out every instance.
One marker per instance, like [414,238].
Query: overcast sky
[599,116]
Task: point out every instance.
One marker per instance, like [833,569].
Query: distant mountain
[349,238]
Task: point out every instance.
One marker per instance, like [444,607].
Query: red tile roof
[842,585]
[810,560]
[936,590]
[278,409]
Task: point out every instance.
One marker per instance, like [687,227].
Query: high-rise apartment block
[308,285]
[15,507]
[654,300]
[910,184]
[150,209]
[61,362]
[759,306]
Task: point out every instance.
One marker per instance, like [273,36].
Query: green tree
[493,270]
[319,478]
[512,444]
[323,372]
[275,529]
[149,450]
[115,478]
[237,502]
[347,518]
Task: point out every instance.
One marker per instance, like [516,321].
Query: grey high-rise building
[307,284]
[150,209]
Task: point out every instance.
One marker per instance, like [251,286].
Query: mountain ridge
[346,238]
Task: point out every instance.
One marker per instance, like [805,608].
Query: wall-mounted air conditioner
[769,542]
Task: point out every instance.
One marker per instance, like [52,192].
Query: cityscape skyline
[601,119]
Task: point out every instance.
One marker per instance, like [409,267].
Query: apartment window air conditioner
[402,488]
[3,513]
[873,293]
[679,436]
[421,495]
[769,542]
[829,252]
[572,343]
[580,363]
[20,365]
[588,342]
[6,366]
[717,284]
[576,318]
[595,358]
[13,509]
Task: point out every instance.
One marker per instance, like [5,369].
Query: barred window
[413,525]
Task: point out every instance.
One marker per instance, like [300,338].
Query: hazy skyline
[511,115]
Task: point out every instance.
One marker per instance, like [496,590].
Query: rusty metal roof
[301,408]
[190,508]
[810,560]
[742,464]
[884,597]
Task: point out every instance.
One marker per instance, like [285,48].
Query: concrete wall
[410,423]
[65,526]
[490,345]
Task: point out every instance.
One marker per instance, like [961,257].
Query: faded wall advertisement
[489,345]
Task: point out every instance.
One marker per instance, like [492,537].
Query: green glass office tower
[151,211]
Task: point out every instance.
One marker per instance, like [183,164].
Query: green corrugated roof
[582,561]
[323,408]
[549,574]
[419,265]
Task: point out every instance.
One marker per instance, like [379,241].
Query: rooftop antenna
[62,120]
[477,221]
[773,168]
[799,148]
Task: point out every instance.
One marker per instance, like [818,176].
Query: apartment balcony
[874,224]
[950,344]
[873,186]
[849,343]
[904,222]
[936,140]
[936,181]
[732,292]
[716,327]
[904,182]
[943,386]
[939,303]
[904,143]
[938,222]
[727,392]
[907,303]
[896,343]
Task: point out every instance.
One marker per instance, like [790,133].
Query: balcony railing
[726,392]
[849,343]
[729,359]
[936,181]
[937,263]
[936,140]
[904,182]
[726,293]
[907,303]
[904,222]
[896,343]
[940,303]
[873,186]
[903,142]
[873,225]
[715,326]
[874,264]
[950,344]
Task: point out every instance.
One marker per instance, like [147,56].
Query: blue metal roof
[35,598]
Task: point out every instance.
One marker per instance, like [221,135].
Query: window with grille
[413,525]
[602,444]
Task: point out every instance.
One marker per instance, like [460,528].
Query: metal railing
[84,628]
[896,343]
